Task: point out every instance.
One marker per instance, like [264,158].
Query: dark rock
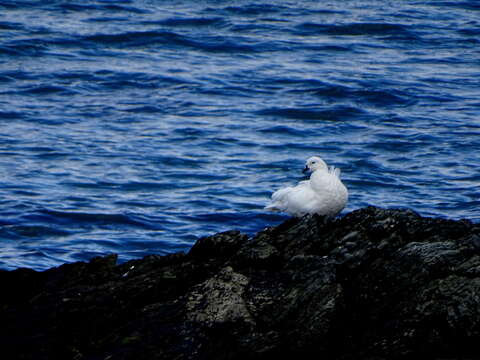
[375,284]
[218,246]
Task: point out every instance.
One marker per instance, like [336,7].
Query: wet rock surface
[374,284]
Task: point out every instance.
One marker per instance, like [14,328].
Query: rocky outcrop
[374,284]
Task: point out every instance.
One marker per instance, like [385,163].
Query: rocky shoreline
[374,284]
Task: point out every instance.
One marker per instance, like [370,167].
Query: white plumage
[323,194]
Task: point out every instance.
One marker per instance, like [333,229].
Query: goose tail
[334,171]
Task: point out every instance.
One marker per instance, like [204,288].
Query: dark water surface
[137,126]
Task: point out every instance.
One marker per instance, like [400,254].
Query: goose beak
[305,170]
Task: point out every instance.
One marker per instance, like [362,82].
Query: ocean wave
[209,43]
[357,29]
[337,113]
[193,22]
[31,231]
[116,8]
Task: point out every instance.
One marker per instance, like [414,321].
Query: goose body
[323,194]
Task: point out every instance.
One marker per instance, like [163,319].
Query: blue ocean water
[136,127]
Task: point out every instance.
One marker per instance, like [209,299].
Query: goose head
[314,163]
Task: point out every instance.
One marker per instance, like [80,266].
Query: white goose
[323,194]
